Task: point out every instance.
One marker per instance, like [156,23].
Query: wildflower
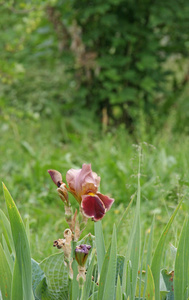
[83,184]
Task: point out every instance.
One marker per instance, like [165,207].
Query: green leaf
[37,276]
[5,276]
[128,279]
[120,266]
[88,282]
[103,275]
[109,278]
[17,281]
[133,251]
[181,274]
[150,291]
[7,254]
[118,289]
[75,285]
[166,283]
[55,283]
[7,231]
[100,245]
[149,256]
[156,261]
[142,273]
[21,245]
[109,289]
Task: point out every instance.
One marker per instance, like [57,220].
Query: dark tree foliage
[131,41]
[122,56]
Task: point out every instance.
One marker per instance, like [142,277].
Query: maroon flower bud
[62,188]
[81,254]
[56,177]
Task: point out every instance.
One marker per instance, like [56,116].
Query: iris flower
[83,184]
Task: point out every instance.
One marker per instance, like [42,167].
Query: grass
[32,143]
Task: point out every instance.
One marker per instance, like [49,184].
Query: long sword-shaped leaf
[17,281]
[88,282]
[118,289]
[7,254]
[150,291]
[75,285]
[133,251]
[5,276]
[19,236]
[149,256]
[156,261]
[103,274]
[7,231]
[182,265]
[111,274]
[100,245]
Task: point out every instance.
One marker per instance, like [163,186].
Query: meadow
[104,84]
[32,144]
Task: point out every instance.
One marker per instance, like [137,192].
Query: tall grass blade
[141,273]
[88,282]
[118,289]
[75,285]
[133,251]
[100,245]
[128,279]
[182,264]
[7,231]
[156,261]
[22,251]
[125,214]
[17,280]
[7,254]
[103,274]
[150,291]
[149,256]
[109,289]
[5,276]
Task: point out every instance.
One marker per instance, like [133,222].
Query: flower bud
[63,193]
[81,254]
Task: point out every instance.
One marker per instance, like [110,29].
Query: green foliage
[99,245]
[156,261]
[22,273]
[5,276]
[124,60]
[50,278]
[131,42]
[181,274]
[49,287]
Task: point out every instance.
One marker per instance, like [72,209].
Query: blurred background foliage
[85,81]
[127,61]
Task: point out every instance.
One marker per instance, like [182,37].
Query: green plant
[51,279]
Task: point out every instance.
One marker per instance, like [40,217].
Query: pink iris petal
[93,207]
[71,177]
[106,200]
[56,177]
[77,179]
